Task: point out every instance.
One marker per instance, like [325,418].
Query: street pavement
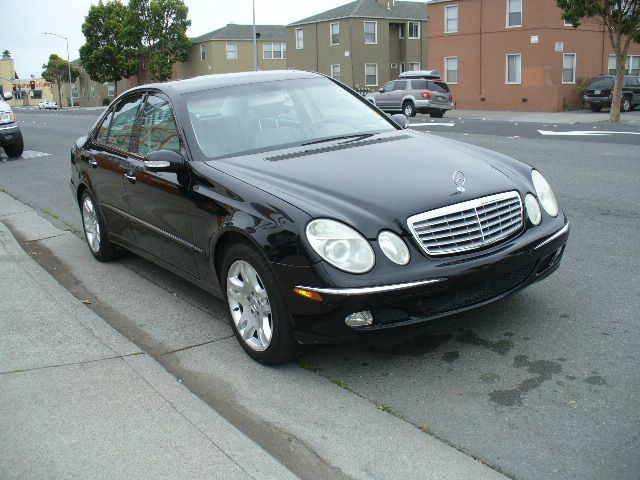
[540,385]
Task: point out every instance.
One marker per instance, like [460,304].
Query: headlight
[393,247]
[341,246]
[7,117]
[533,209]
[544,193]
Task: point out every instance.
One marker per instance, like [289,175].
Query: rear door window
[122,131]
[158,129]
[419,85]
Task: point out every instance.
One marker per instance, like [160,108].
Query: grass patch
[309,366]
[425,428]
[388,408]
[340,383]
[51,214]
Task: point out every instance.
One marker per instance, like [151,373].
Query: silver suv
[10,135]
[414,95]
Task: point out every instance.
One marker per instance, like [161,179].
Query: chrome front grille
[468,225]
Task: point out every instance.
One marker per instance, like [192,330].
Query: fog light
[359,319]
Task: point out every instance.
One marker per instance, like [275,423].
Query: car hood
[379,182]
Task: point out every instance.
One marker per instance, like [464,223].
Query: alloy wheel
[91,224]
[249,305]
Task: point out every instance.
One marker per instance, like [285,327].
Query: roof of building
[371,9]
[272,33]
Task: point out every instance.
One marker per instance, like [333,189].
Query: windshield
[601,83]
[268,115]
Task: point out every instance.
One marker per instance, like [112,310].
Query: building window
[569,68]
[334,33]
[111,90]
[451,69]
[272,51]
[401,27]
[299,38]
[371,74]
[451,18]
[335,72]
[232,51]
[414,30]
[92,90]
[514,13]
[414,66]
[370,32]
[612,64]
[203,53]
[633,65]
[402,67]
[514,68]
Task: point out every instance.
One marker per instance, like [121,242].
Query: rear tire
[408,109]
[626,104]
[95,229]
[256,308]
[596,108]
[16,148]
[439,114]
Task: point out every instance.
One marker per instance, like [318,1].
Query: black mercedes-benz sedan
[311,213]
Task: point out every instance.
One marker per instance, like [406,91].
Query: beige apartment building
[364,44]
[516,54]
[230,49]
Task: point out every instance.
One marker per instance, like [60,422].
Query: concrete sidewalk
[566,118]
[78,400]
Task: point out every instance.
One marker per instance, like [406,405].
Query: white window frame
[506,73]
[203,52]
[111,89]
[331,33]
[564,22]
[332,72]
[283,51]
[365,75]
[375,33]
[413,69]
[521,16]
[235,51]
[615,63]
[409,31]
[446,75]
[628,67]
[575,66]
[446,18]
[300,39]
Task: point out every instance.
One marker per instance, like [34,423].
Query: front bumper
[8,133]
[459,285]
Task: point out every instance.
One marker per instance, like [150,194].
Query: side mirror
[7,95]
[380,90]
[400,120]
[164,161]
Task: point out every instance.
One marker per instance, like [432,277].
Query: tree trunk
[59,96]
[616,100]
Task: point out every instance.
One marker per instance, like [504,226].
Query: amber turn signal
[308,294]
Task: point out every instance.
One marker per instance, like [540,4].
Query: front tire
[408,109]
[16,148]
[256,308]
[626,104]
[95,229]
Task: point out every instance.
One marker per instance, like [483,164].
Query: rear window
[418,84]
[601,83]
[439,87]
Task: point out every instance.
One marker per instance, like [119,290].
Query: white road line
[584,133]
[428,124]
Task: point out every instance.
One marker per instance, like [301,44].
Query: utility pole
[255,40]
[68,66]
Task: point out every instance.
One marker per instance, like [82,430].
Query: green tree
[160,28]
[6,54]
[57,71]
[621,19]
[109,54]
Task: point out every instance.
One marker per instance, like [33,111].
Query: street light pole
[68,66]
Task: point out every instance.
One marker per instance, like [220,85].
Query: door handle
[130,176]
[93,162]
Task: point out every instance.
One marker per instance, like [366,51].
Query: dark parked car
[600,92]
[312,214]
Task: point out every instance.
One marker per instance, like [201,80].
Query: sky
[21,30]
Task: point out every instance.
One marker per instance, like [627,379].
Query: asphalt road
[543,384]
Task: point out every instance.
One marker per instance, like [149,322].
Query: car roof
[426,74]
[207,82]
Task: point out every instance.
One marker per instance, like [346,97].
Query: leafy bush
[106,101]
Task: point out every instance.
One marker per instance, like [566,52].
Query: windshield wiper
[358,136]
